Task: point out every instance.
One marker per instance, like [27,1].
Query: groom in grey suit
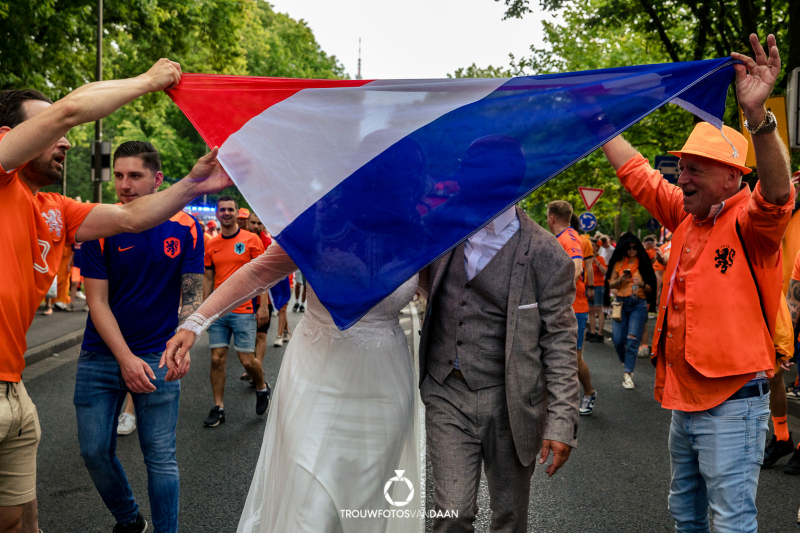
[498,368]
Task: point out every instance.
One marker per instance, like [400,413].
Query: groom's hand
[561,453]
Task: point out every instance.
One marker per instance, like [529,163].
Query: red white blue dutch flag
[365,182]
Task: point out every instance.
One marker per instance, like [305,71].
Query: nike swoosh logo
[123,249]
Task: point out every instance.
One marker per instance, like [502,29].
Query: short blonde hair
[561,209]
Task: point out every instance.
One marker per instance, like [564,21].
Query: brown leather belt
[460,375]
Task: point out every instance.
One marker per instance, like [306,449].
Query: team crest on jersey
[172,247]
[54,221]
[724,258]
[239,248]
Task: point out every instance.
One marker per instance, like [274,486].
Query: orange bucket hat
[729,146]
[243,213]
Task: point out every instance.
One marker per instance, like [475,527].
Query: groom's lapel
[439,268]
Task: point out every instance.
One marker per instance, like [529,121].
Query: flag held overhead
[363,183]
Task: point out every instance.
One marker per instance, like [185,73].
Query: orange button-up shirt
[678,385]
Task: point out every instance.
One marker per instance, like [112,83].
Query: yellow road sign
[776,104]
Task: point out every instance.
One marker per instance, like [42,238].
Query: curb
[43,351]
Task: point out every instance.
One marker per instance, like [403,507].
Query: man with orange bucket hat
[712,346]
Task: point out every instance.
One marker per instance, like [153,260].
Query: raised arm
[207,176]
[87,103]
[755,80]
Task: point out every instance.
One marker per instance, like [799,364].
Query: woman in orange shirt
[631,273]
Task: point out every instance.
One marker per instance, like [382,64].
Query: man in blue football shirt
[135,284]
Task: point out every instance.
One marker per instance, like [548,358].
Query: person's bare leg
[283,322]
[303,301]
[11,518]
[218,358]
[583,375]
[30,517]
[601,320]
[253,368]
[778,403]
[261,346]
[592,330]
[297,292]
[645,341]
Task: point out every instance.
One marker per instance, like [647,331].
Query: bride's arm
[252,279]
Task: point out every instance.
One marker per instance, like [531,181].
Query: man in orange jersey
[559,214]
[713,344]
[225,254]
[38,225]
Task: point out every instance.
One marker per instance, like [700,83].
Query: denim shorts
[242,326]
[597,299]
[582,318]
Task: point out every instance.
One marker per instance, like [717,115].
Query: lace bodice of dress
[378,324]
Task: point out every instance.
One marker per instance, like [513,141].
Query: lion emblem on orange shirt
[54,221]
[724,258]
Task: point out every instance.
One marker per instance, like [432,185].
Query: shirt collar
[502,220]
[716,210]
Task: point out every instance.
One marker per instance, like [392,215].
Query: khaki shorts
[19,441]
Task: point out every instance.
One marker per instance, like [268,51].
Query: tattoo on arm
[191,295]
[793,299]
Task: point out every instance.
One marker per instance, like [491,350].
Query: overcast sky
[416,38]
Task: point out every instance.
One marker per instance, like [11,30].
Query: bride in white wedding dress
[342,417]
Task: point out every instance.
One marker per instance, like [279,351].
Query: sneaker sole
[221,421]
[793,471]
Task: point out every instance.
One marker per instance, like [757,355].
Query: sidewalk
[50,334]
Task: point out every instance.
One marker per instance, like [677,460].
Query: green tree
[51,47]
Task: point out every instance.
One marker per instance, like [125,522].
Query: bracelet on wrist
[767,125]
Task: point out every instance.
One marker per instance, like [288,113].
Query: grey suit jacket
[542,387]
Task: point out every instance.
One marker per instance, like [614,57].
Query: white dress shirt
[484,245]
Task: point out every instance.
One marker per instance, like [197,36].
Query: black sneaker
[262,400]
[295,308]
[302,308]
[793,466]
[139,526]
[777,449]
[592,337]
[215,417]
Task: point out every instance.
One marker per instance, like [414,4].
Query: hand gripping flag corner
[365,182]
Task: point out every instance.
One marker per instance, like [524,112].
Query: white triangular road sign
[590,196]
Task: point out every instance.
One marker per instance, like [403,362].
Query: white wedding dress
[341,421]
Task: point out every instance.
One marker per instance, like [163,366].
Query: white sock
[262,390]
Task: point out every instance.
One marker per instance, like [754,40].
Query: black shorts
[265,327]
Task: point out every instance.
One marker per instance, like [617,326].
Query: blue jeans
[627,334]
[715,458]
[99,395]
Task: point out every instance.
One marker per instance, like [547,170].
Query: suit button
[460,323]
[463,303]
[458,343]
[467,286]
[450,362]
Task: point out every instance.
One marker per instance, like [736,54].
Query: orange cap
[707,141]
[211,224]
[243,213]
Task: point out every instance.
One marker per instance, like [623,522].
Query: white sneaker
[627,381]
[126,424]
[278,341]
[644,351]
[80,295]
[287,335]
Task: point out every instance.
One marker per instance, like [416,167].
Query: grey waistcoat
[470,320]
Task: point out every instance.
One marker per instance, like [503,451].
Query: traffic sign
[776,104]
[668,166]
[652,224]
[590,196]
[587,221]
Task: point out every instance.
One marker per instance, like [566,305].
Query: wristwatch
[767,125]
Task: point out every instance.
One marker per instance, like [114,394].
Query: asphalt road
[615,481]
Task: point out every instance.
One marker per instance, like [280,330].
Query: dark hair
[11,112]
[141,149]
[649,238]
[227,199]
[561,209]
[574,222]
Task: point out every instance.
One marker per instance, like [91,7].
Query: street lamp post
[98,125]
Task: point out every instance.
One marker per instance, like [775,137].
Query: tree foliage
[595,34]
[50,45]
